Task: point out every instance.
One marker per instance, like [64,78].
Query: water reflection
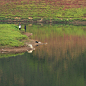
[62,62]
[65,47]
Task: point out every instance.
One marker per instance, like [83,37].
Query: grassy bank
[6,55]
[11,36]
[38,10]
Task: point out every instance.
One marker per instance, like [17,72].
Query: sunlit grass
[41,10]
[10,35]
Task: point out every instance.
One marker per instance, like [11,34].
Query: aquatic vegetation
[61,62]
[46,31]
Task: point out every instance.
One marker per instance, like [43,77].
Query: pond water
[62,62]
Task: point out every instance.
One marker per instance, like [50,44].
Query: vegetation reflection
[62,62]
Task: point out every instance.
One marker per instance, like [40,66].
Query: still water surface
[62,62]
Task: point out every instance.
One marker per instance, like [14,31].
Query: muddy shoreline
[29,46]
[31,42]
[51,21]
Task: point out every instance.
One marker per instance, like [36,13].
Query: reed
[47,31]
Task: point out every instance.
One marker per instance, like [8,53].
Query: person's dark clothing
[25,28]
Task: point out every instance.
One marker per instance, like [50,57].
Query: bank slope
[10,36]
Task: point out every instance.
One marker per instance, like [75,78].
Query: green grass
[10,35]
[41,10]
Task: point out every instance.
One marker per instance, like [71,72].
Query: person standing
[20,26]
[25,28]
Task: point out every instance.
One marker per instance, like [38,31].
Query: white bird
[39,42]
[30,51]
[30,45]
[45,43]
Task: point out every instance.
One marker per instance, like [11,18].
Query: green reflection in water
[29,70]
[6,55]
[25,70]
[46,31]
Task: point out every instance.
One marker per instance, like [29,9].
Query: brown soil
[21,49]
[66,3]
[74,22]
[78,22]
